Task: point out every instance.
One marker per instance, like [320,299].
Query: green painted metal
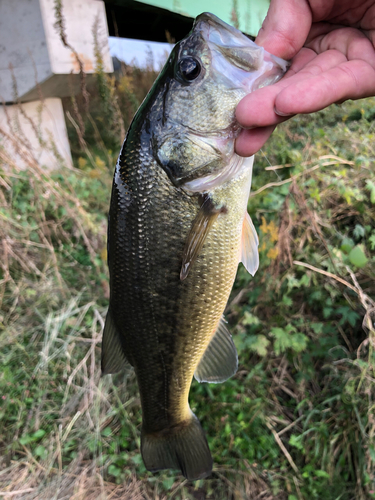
[247,15]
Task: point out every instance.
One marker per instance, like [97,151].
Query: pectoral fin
[113,357]
[198,233]
[220,360]
[249,246]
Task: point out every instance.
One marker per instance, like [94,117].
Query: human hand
[332,47]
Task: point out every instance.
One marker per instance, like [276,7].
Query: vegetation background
[296,422]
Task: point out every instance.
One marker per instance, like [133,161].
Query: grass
[296,422]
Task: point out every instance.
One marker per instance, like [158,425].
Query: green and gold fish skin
[176,234]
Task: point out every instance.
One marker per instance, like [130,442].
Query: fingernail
[281,113]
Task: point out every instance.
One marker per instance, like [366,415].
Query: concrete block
[30,43]
[39,129]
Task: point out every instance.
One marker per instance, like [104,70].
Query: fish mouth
[236,57]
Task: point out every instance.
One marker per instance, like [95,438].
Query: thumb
[285,28]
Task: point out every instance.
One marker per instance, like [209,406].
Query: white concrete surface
[22,43]
[30,43]
[33,60]
[80,18]
[38,127]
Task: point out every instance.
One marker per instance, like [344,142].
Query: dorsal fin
[113,357]
[220,360]
[249,246]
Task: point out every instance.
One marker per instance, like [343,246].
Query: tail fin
[181,447]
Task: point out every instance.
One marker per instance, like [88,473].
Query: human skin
[331,45]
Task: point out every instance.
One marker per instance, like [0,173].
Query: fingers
[348,80]
[353,43]
[300,61]
[250,141]
[269,105]
[285,28]
[336,64]
[315,82]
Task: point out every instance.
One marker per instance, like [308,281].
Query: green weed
[296,422]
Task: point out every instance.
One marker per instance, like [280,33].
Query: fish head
[206,76]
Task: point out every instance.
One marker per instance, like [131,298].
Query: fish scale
[178,227]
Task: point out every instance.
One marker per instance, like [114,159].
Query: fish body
[178,226]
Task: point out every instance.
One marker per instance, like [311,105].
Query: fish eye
[189,68]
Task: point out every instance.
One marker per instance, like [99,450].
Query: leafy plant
[296,421]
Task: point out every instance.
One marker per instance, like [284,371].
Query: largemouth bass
[178,227]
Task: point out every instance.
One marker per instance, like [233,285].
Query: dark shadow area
[130,19]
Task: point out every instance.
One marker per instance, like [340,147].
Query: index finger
[285,28]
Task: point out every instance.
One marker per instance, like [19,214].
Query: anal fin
[249,246]
[113,357]
[220,361]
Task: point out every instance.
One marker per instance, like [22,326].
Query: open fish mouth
[241,63]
